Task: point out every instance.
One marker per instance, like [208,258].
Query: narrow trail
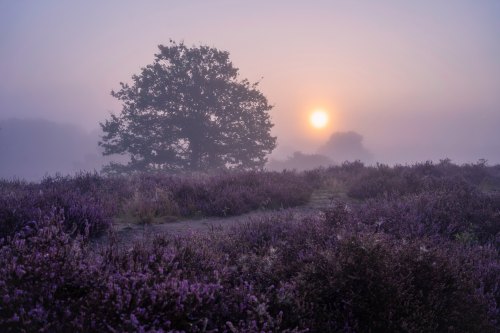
[127,233]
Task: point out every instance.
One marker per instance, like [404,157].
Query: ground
[126,231]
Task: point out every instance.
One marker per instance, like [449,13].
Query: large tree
[189,110]
[346,146]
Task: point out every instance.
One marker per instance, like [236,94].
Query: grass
[406,248]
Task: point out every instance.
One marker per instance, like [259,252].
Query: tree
[346,146]
[189,111]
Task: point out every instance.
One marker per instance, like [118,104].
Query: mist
[32,149]
[415,81]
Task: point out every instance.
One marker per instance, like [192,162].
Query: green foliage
[189,110]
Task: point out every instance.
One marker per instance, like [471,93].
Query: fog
[415,81]
[35,148]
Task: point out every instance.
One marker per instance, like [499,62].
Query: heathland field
[348,248]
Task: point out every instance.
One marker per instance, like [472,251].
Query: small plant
[421,257]
[144,208]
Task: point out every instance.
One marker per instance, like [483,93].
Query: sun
[319,119]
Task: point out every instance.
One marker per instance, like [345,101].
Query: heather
[223,194]
[82,209]
[90,201]
[382,180]
[418,259]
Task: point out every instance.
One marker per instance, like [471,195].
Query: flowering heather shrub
[279,274]
[15,210]
[424,261]
[80,211]
[144,207]
[111,192]
[52,282]
[42,268]
[344,278]
[370,283]
[461,213]
[227,193]
[379,181]
[90,201]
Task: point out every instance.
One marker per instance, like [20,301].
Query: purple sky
[418,80]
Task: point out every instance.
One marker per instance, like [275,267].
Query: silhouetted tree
[189,111]
[346,146]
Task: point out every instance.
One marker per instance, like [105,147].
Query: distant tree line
[340,147]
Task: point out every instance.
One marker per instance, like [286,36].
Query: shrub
[90,201]
[50,281]
[426,260]
[80,211]
[228,194]
[460,213]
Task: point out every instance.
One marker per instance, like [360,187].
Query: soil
[129,231]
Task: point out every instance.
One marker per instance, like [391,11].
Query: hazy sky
[417,79]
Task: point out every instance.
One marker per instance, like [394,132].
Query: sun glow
[319,119]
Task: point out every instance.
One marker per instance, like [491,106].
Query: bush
[79,211]
[227,194]
[50,281]
[427,260]
[91,201]
[277,274]
[382,180]
[460,213]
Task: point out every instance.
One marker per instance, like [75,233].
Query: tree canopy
[346,146]
[189,110]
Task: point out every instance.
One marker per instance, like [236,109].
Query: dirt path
[129,232]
